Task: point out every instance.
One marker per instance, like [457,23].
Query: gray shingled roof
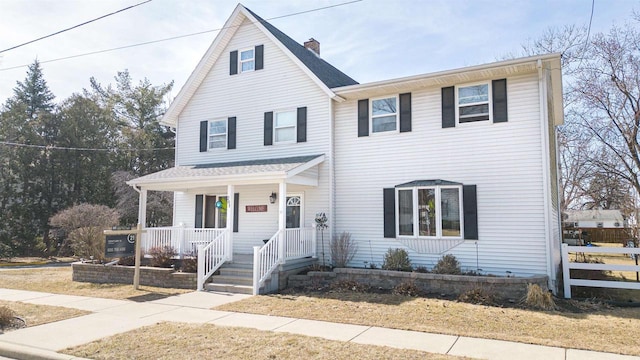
[226,169]
[427,183]
[328,74]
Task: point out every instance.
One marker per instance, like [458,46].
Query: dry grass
[33,260]
[58,281]
[611,327]
[41,314]
[186,341]
[537,298]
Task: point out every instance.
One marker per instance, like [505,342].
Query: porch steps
[234,277]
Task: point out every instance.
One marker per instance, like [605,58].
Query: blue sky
[369,40]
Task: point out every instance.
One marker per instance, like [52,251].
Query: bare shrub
[406,288]
[83,225]
[349,285]
[7,317]
[397,259]
[162,256]
[343,249]
[189,264]
[539,298]
[447,264]
[478,296]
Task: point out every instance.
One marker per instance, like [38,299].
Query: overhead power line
[174,37]
[46,147]
[76,26]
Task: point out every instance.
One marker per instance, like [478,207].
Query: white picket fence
[567,265]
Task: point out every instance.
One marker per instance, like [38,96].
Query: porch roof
[260,171]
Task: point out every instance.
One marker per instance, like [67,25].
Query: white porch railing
[567,266]
[212,255]
[184,240]
[295,244]
[300,243]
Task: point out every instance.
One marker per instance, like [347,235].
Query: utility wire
[46,147]
[175,37]
[586,41]
[76,26]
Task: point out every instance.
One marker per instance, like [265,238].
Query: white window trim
[301,195]
[416,213]
[371,117]
[294,126]
[490,103]
[226,135]
[240,61]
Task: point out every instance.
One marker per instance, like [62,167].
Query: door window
[293,212]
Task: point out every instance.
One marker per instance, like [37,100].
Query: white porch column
[142,221]
[142,209]
[282,218]
[231,205]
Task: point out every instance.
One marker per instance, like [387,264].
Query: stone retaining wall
[452,285]
[149,276]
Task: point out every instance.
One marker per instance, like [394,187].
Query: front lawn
[35,315]
[580,325]
[58,281]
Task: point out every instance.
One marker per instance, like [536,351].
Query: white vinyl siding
[504,162]
[248,97]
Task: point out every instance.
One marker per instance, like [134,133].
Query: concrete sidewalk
[110,317]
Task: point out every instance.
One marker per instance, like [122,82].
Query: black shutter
[236,211]
[389,202]
[231,133]
[470,212]
[405,112]
[499,92]
[363,117]
[199,208]
[268,128]
[259,53]
[302,124]
[203,135]
[448,107]
[233,62]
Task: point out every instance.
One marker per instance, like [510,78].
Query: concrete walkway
[110,317]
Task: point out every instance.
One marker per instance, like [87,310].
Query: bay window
[430,211]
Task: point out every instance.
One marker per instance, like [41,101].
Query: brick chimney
[313,45]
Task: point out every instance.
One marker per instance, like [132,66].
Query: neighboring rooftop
[594,215]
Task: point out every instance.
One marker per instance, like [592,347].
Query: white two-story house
[458,162]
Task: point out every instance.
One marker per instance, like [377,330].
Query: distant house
[607,219]
[269,134]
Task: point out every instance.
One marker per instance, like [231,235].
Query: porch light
[273,197]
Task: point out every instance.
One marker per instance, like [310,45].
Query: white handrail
[211,256]
[265,260]
[299,243]
[568,265]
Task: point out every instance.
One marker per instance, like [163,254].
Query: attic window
[247,60]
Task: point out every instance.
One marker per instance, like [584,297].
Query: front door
[215,212]
[294,211]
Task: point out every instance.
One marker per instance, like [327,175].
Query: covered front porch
[257,208]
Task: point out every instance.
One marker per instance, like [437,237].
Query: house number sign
[256,208]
